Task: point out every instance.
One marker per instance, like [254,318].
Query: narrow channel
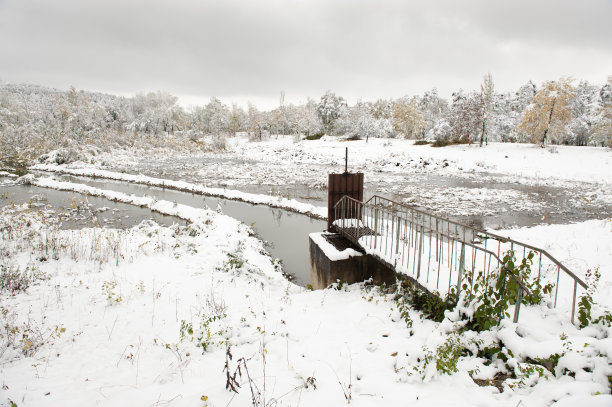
[286,233]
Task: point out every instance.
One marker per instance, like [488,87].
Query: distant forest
[35,119]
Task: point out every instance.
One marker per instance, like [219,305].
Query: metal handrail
[376,202]
[488,234]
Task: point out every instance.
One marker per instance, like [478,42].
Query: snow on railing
[441,254]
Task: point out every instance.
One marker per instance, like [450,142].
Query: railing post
[397,235]
[517,305]
[574,300]
[420,243]
[461,269]
[503,276]
[375,226]
[557,287]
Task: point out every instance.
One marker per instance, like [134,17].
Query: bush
[444,143]
[315,136]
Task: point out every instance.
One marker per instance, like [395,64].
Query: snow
[330,251]
[600,400]
[580,246]
[521,161]
[274,201]
[110,352]
[120,317]
[507,180]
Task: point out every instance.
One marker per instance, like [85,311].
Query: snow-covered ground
[201,315]
[509,184]
[151,316]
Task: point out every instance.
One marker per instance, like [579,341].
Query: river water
[490,201]
[285,233]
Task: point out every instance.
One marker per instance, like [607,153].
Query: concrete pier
[333,258]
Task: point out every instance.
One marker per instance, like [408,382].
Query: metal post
[346,161]
[397,237]
[517,306]
[375,226]
[461,269]
[557,287]
[420,250]
[503,294]
[574,300]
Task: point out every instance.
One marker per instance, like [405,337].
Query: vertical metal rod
[404,241]
[540,266]
[375,226]
[392,232]
[429,255]
[450,258]
[420,251]
[503,292]
[450,268]
[411,228]
[461,269]
[437,241]
[346,161]
[397,234]
[517,305]
[484,264]
[387,233]
[473,271]
[441,258]
[414,251]
[449,242]
[574,300]
[557,288]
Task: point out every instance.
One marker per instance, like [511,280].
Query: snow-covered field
[521,183]
[201,315]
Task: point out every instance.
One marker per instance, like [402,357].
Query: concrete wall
[324,271]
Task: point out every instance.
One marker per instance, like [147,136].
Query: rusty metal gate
[340,185]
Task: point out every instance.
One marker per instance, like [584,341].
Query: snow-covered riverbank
[145,316]
[201,315]
[499,185]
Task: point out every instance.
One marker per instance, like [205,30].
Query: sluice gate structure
[379,238]
[443,256]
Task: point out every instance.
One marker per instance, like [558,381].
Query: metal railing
[437,252]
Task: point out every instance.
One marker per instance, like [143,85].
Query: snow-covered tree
[329,109]
[465,117]
[359,121]
[548,114]
[585,108]
[215,116]
[487,95]
[308,120]
[255,122]
[236,120]
[408,118]
[433,107]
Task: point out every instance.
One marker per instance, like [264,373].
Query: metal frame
[396,234]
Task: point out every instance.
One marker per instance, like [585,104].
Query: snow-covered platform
[335,259]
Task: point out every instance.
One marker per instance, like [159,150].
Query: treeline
[35,119]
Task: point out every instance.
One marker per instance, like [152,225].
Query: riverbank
[498,186]
[152,314]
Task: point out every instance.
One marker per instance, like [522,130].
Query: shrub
[315,136]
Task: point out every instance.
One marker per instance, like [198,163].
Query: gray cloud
[253,49]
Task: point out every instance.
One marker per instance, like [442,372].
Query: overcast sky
[253,49]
